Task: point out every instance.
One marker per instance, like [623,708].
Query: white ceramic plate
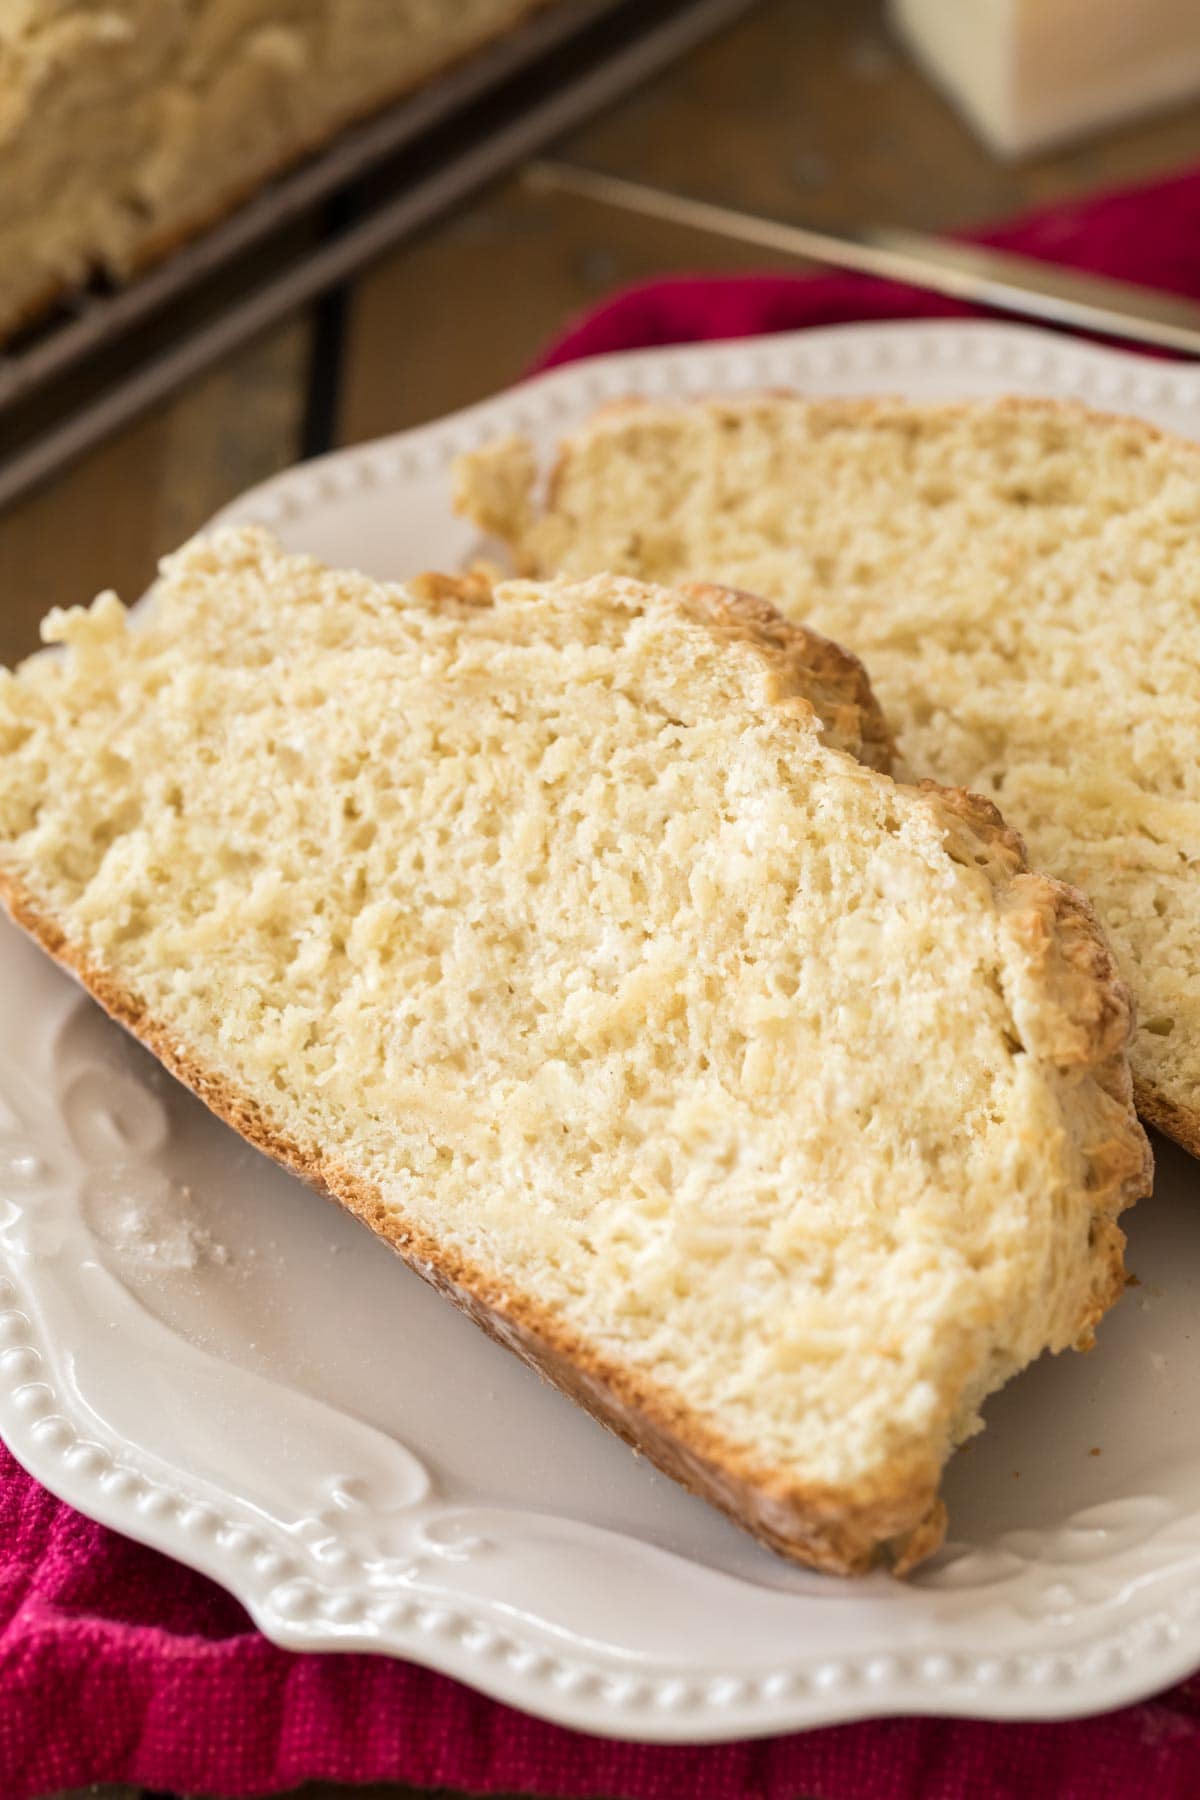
[200,1352]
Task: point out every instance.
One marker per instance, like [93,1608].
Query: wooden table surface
[804,110]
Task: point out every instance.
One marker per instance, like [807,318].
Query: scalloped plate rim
[897,352]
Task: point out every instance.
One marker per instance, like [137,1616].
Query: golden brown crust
[1084,1024]
[35,307]
[1167,1116]
[983,818]
[474,587]
[832,679]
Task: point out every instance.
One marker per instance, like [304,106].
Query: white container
[1031,73]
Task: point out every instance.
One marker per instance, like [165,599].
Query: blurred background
[935,114]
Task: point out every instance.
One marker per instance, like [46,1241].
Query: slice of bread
[773,1110]
[1023,581]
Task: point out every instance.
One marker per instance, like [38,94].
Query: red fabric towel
[118,1665]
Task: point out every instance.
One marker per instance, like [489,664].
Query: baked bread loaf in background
[127,126]
[773,1110]
[1022,579]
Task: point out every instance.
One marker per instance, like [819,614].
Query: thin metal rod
[969,272]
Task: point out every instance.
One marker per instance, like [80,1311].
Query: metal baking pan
[109,355]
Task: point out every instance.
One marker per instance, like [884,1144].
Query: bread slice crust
[496,486]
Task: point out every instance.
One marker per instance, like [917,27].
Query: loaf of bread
[1022,579]
[773,1110]
[127,126]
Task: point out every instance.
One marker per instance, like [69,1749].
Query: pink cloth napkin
[118,1665]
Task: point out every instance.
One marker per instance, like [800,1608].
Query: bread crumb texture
[1022,579]
[775,1109]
